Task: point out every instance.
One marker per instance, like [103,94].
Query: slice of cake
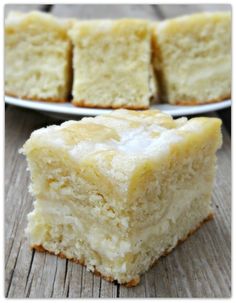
[112,64]
[37,57]
[193,58]
[116,192]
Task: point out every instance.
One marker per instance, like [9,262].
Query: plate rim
[60,108]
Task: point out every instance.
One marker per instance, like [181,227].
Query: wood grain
[200,267]
[152,12]
[111,11]
[171,10]
[25,7]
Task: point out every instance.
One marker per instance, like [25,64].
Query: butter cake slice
[118,191]
[112,64]
[192,58]
[38,57]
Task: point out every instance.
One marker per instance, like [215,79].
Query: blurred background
[154,12]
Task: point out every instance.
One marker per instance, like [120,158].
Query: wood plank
[173,10]
[25,8]
[200,267]
[18,125]
[84,11]
[152,12]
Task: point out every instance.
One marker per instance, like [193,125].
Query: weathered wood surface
[25,7]
[105,11]
[200,267]
[153,12]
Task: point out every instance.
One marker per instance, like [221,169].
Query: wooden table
[200,267]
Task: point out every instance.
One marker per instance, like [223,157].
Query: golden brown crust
[195,102]
[136,280]
[85,103]
[132,282]
[52,100]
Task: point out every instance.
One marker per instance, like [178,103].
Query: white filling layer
[111,255]
[103,237]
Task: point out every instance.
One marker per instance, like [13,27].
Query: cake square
[38,57]
[118,191]
[192,58]
[112,64]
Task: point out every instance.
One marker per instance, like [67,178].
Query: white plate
[68,111]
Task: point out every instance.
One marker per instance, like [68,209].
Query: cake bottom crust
[136,280]
[85,103]
[53,100]
[195,102]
